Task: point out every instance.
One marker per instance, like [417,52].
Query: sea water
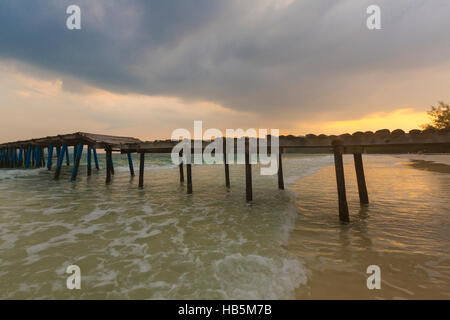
[161,243]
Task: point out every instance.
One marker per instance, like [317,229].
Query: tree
[440,117]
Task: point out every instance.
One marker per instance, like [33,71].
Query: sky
[145,68]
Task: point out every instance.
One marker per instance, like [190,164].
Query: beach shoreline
[438,158]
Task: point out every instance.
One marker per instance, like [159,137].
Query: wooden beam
[141,169]
[340,180]
[362,188]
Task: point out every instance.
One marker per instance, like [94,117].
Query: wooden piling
[58,153]
[248,172]
[28,157]
[130,164]
[13,157]
[108,163]
[20,159]
[33,155]
[340,181]
[89,160]
[141,169]
[181,167]
[189,177]
[96,159]
[50,157]
[225,161]
[280,170]
[362,188]
[189,172]
[75,151]
[112,165]
[60,160]
[42,157]
[37,152]
[67,156]
[79,150]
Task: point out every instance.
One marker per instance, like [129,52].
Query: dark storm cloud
[257,55]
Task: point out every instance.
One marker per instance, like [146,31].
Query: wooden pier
[30,154]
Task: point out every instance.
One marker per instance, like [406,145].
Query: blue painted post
[96,159]
[58,151]
[42,157]
[75,150]
[60,160]
[33,154]
[37,156]
[13,157]
[77,162]
[67,156]
[130,164]
[89,160]
[28,157]
[20,156]
[7,157]
[2,156]
[50,157]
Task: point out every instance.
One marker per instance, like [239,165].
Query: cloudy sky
[144,68]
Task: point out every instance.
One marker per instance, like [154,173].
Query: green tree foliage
[440,117]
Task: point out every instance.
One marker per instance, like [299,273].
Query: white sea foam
[258,277]
[18,173]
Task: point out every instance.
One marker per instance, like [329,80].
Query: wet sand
[404,230]
[436,158]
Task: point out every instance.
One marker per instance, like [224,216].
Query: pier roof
[96,140]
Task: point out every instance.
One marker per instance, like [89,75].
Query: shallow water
[160,242]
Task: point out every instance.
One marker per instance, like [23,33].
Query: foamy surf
[156,242]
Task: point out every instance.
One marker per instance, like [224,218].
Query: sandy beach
[436,158]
